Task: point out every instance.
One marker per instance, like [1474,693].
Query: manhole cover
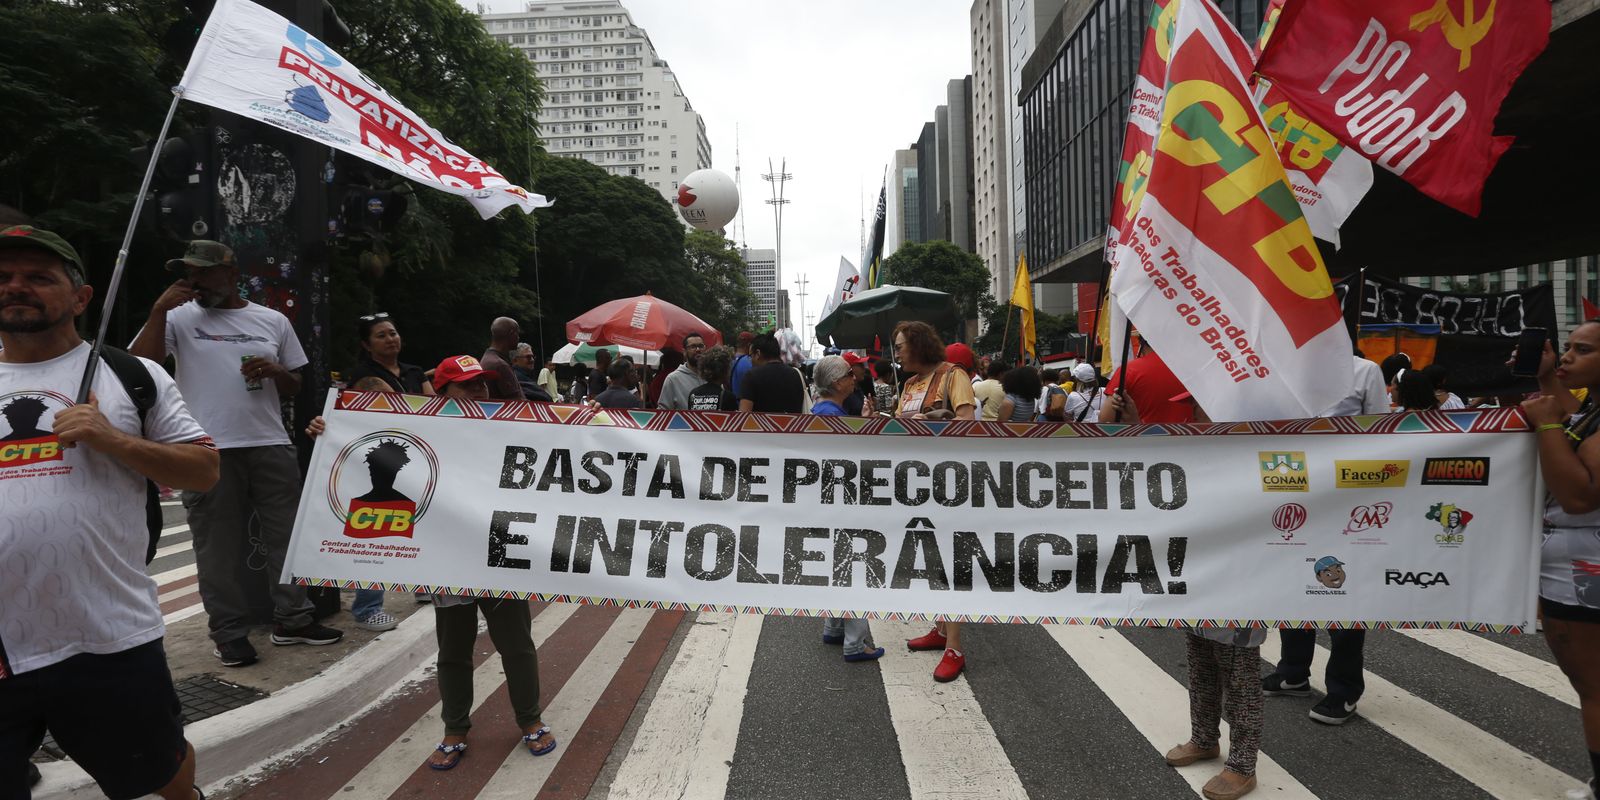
[202,696]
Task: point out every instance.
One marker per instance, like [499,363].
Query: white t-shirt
[1368,394]
[1093,397]
[72,534]
[210,344]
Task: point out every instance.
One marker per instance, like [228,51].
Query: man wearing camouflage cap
[81,634]
[236,361]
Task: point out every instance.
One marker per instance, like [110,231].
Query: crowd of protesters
[216,432]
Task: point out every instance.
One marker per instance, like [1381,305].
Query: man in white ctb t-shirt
[236,359]
[80,628]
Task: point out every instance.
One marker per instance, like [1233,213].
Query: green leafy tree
[944,267]
[999,337]
[718,274]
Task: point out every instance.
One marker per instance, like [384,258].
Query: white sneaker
[1586,793]
[378,621]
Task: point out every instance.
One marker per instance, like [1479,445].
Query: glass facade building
[1074,96]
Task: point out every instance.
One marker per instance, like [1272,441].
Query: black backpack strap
[141,388]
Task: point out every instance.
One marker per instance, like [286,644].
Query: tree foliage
[717,272]
[944,267]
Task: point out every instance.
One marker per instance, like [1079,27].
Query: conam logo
[25,437]
[1371,474]
[1466,471]
[390,496]
[1283,472]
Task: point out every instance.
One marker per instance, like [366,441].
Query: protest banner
[256,64]
[1400,520]
[1410,84]
[1220,272]
[1375,300]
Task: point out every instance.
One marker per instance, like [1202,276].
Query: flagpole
[1122,369]
[122,254]
[1006,336]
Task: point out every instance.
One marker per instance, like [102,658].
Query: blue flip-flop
[530,738]
[449,749]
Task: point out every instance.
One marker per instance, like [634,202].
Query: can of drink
[250,384]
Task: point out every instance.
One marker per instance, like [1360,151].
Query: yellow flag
[1022,297]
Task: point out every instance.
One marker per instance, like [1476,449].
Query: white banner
[844,287]
[256,64]
[1311,522]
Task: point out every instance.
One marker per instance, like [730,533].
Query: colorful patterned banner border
[1103,622]
[1496,420]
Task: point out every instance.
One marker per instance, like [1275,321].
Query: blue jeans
[367,603]
[857,634]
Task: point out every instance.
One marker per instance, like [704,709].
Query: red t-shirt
[1152,386]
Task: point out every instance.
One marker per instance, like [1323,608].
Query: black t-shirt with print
[712,397]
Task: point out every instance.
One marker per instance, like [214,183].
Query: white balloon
[707,200]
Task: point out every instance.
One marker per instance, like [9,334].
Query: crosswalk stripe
[946,743]
[382,776]
[520,775]
[184,613]
[1157,704]
[1534,673]
[171,549]
[175,574]
[1484,760]
[670,759]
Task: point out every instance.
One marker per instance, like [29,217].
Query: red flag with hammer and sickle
[1414,85]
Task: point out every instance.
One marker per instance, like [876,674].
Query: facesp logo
[399,479]
[1284,472]
[1371,474]
[1466,471]
[28,440]
[1453,521]
[1289,518]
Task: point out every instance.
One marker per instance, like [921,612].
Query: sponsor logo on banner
[1371,474]
[381,486]
[1289,518]
[1330,574]
[1468,471]
[1421,580]
[28,447]
[1453,521]
[1368,518]
[1284,472]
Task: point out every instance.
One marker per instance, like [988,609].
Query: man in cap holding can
[236,361]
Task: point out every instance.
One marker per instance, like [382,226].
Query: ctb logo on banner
[382,484]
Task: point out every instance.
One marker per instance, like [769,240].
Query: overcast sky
[836,86]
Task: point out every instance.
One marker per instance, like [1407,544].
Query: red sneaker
[949,667]
[932,640]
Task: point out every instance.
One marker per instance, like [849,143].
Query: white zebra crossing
[1481,758]
[1534,673]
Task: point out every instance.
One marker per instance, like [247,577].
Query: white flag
[256,64]
[844,287]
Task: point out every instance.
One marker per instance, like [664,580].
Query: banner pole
[1127,344]
[1006,336]
[122,254]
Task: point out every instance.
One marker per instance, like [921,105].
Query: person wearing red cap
[456,626]
[937,390]
[855,403]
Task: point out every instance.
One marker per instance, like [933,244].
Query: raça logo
[391,495]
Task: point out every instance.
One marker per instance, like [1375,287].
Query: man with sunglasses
[236,361]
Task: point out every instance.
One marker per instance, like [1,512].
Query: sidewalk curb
[236,743]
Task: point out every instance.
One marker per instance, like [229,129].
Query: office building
[610,98]
[761,269]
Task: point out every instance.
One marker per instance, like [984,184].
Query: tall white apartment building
[610,98]
[761,269]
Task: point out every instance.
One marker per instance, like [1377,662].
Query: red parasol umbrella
[646,322]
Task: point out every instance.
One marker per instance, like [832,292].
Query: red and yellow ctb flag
[1219,270]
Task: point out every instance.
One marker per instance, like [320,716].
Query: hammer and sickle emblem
[1461,33]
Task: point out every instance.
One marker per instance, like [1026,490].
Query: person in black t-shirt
[714,394]
[380,357]
[771,386]
[597,376]
[620,393]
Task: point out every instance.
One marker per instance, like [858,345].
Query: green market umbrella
[872,314]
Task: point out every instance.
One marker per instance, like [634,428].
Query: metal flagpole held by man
[93,363]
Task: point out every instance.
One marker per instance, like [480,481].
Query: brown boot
[1187,753]
[1228,785]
